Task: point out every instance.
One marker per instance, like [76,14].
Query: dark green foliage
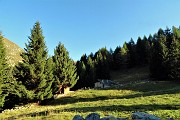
[165,55]
[150,40]
[142,51]
[117,58]
[64,68]
[131,60]
[93,67]
[102,64]
[81,72]
[35,71]
[173,61]
[111,60]
[86,72]
[124,55]
[91,72]
[84,59]
[158,57]
[9,88]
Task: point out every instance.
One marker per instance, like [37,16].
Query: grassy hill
[13,52]
[137,93]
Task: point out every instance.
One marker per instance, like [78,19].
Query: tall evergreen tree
[32,72]
[64,68]
[117,58]
[158,67]
[111,60]
[146,49]
[132,53]
[150,39]
[124,55]
[81,72]
[142,49]
[139,51]
[91,72]
[9,88]
[173,61]
[84,59]
[102,64]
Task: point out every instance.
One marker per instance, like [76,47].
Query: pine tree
[117,58]
[150,40]
[32,72]
[91,72]
[159,52]
[132,53]
[64,68]
[81,72]
[139,51]
[146,49]
[102,64]
[111,60]
[142,49]
[173,61]
[124,55]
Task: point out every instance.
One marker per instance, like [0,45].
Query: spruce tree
[11,91]
[81,72]
[124,55]
[117,58]
[64,68]
[102,64]
[91,72]
[173,61]
[159,52]
[142,51]
[35,72]
[132,53]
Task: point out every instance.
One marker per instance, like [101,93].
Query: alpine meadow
[144,77]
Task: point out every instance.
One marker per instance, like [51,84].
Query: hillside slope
[12,51]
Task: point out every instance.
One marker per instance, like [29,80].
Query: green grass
[159,98]
[120,103]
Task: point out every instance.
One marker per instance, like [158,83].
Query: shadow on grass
[120,108]
[150,85]
[171,89]
[71,100]
[117,108]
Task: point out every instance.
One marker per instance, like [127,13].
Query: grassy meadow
[137,93]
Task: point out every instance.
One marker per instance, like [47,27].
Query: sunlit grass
[120,103]
[161,98]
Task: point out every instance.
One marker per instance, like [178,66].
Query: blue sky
[84,26]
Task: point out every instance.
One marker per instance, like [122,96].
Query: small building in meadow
[63,89]
[62,92]
[66,90]
[104,84]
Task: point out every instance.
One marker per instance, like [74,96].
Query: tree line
[161,52]
[38,76]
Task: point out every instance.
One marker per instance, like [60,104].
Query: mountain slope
[12,51]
